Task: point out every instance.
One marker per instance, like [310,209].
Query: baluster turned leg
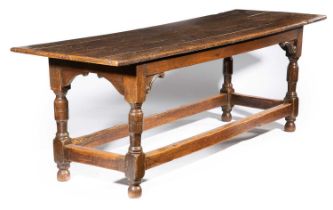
[227,88]
[135,87]
[293,52]
[135,157]
[291,97]
[62,136]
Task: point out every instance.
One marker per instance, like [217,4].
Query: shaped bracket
[289,47]
[152,79]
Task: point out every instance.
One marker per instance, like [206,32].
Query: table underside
[134,83]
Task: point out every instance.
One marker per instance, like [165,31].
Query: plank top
[147,44]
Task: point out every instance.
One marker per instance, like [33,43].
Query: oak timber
[147,44]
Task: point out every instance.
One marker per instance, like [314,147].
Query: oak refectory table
[132,60]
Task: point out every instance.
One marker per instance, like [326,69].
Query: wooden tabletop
[147,44]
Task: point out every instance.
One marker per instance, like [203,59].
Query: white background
[264,169]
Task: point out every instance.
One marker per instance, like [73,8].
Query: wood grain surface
[147,44]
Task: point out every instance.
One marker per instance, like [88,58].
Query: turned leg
[135,156]
[291,96]
[62,137]
[60,81]
[135,87]
[293,52]
[227,88]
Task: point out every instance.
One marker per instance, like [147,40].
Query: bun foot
[289,126]
[226,117]
[63,175]
[134,191]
